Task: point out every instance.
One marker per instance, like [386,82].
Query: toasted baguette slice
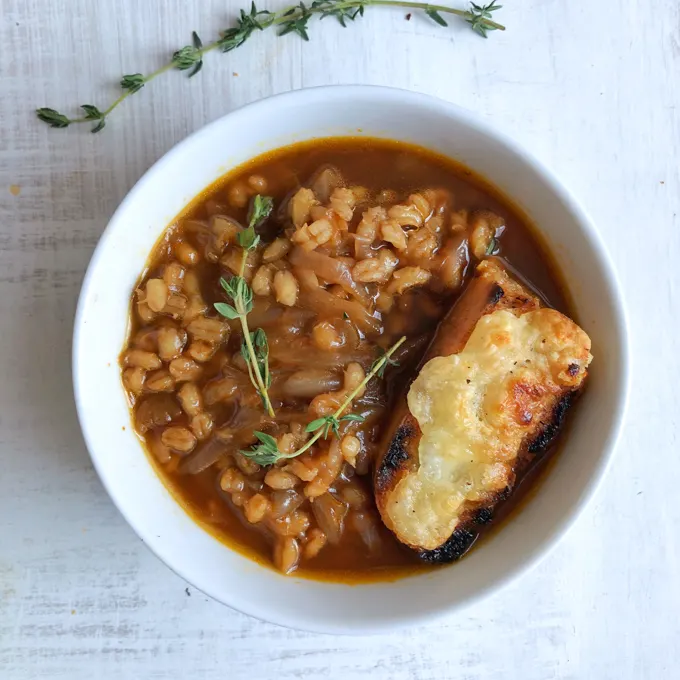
[489,396]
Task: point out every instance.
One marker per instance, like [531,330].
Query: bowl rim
[447,109]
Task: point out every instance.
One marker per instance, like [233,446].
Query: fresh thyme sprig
[293,19]
[255,348]
[267,451]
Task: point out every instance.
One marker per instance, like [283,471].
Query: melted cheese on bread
[475,409]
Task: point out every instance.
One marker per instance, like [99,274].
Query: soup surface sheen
[368,241]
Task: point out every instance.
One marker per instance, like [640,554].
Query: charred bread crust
[460,541]
[467,532]
[397,454]
[496,294]
[491,289]
[550,430]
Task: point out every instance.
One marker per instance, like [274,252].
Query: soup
[349,252]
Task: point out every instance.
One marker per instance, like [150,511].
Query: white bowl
[101,324]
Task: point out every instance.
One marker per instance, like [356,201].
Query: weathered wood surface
[591,88]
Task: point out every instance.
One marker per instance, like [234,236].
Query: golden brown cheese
[475,409]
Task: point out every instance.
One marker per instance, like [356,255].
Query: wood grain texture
[596,98]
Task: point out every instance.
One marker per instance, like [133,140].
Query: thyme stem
[292,19]
[255,354]
[267,453]
[350,397]
[255,366]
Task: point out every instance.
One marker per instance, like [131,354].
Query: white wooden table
[592,88]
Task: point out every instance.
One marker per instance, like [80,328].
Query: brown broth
[376,164]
